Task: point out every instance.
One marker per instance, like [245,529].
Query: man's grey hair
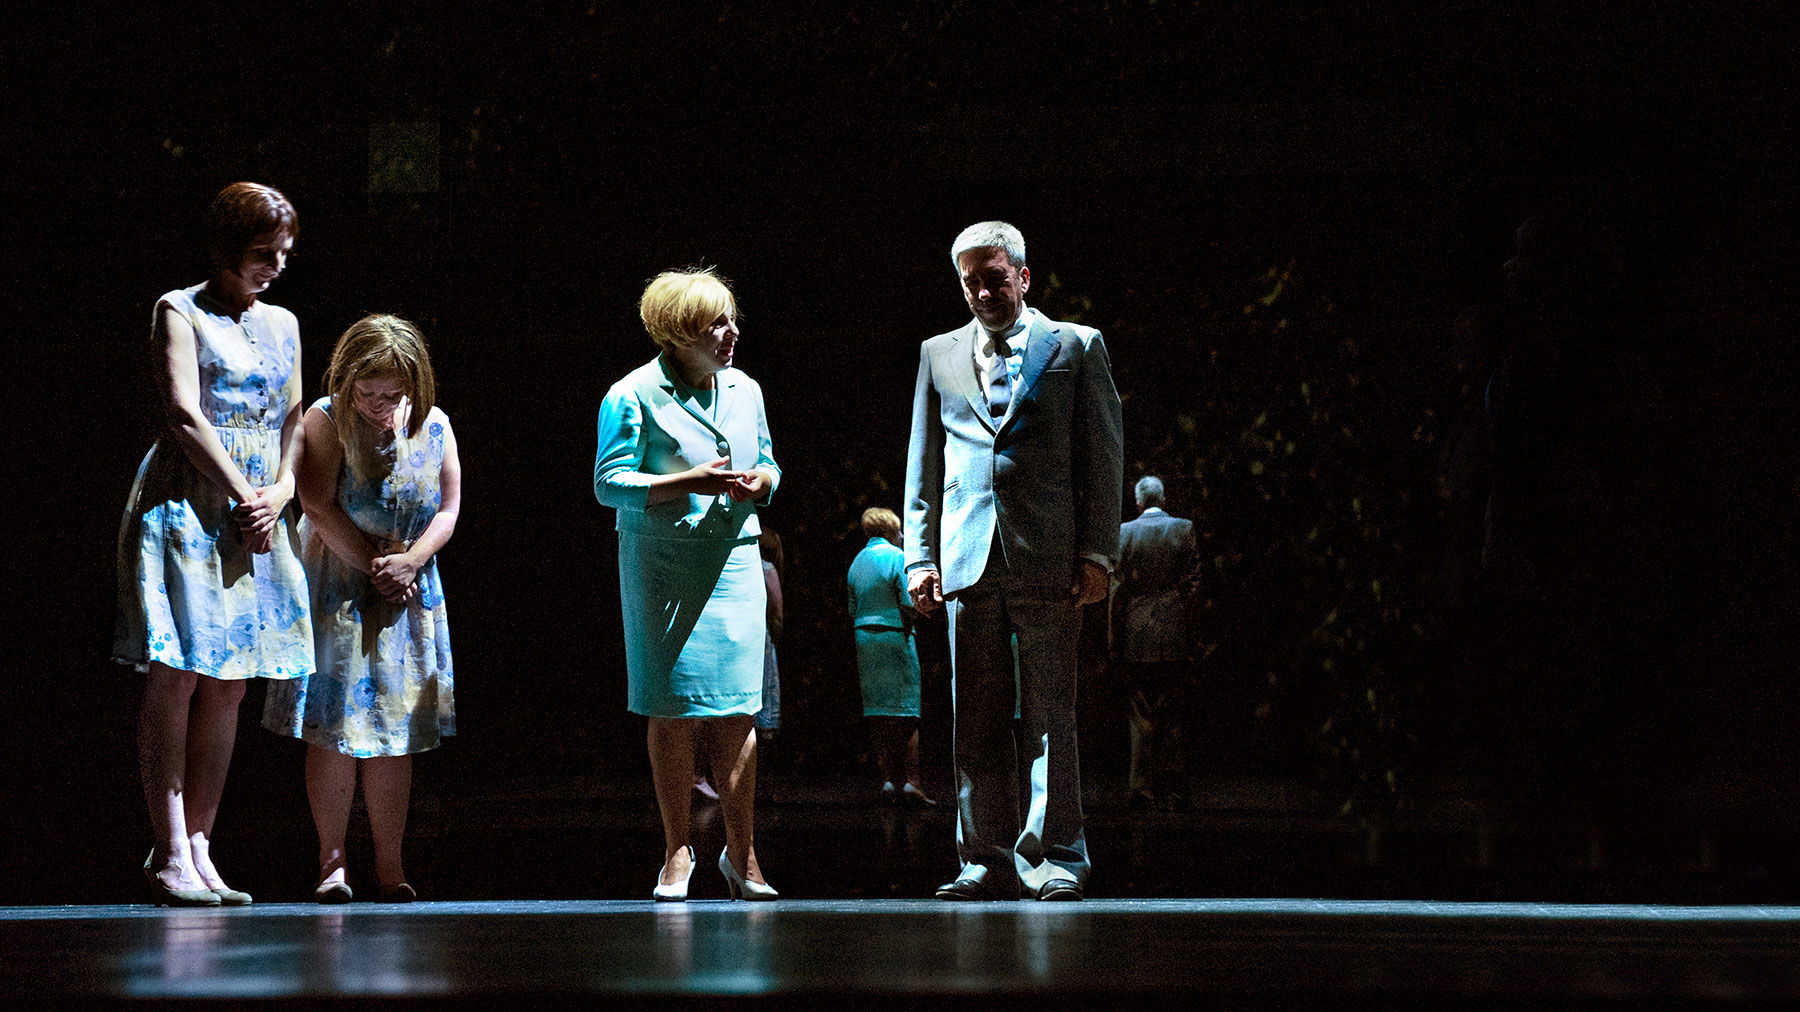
[1149,491]
[989,233]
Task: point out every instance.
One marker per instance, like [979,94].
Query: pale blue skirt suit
[690,577]
[886,658]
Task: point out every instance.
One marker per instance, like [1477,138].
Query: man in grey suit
[1012,519]
[1158,566]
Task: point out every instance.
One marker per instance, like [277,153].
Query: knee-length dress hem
[385,684]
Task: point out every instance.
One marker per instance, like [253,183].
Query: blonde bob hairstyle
[375,347]
[678,306]
[881,522]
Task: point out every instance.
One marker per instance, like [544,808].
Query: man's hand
[1090,584]
[927,590]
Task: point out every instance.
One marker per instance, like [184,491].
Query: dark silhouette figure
[1158,569]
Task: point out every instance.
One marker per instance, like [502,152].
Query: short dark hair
[240,213]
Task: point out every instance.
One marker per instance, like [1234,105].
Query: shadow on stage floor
[907,953]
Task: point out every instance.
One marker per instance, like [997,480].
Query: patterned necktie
[999,378]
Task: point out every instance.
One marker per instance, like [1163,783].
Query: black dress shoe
[971,889]
[1059,890]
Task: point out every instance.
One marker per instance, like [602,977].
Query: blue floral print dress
[191,596]
[384,685]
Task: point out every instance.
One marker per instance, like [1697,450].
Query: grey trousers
[1049,841]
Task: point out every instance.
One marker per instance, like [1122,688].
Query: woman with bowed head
[211,591]
[382,486]
[684,458]
[887,661]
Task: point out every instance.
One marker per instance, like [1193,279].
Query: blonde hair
[881,522]
[678,306]
[375,347]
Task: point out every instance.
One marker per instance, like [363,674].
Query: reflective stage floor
[854,954]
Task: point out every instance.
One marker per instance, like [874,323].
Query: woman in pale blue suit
[684,457]
[886,659]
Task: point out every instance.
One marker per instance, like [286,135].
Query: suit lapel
[1040,351]
[667,382]
[961,350]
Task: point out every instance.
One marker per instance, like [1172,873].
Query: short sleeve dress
[384,685]
[886,658]
[191,595]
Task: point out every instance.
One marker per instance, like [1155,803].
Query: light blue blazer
[1046,476]
[877,584]
[645,430]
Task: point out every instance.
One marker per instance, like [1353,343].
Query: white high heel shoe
[675,891]
[740,885]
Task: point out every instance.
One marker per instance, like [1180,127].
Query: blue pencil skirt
[889,666]
[694,625]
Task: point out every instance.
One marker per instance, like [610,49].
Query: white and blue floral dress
[384,685]
[191,595]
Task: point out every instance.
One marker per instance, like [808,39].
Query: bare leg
[162,759]
[671,743]
[910,753]
[387,791]
[731,742]
[882,730]
[212,731]
[330,786]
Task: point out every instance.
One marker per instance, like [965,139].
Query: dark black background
[1159,157]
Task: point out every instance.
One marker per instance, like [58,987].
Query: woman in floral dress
[211,592]
[382,485]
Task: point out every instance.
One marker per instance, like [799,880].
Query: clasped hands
[393,573]
[927,589]
[717,478]
[256,516]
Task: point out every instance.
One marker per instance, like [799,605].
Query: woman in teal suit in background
[684,458]
[888,663]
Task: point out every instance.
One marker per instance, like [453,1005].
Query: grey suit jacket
[1158,560]
[1045,477]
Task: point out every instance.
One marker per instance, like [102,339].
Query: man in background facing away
[1152,646]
